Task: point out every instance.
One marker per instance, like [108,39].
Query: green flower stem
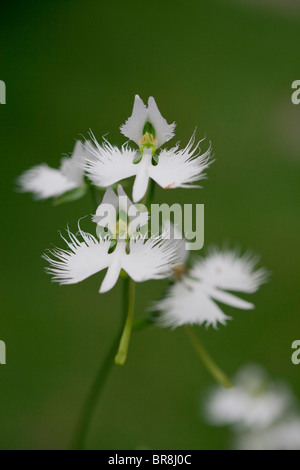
[106,367]
[98,385]
[129,295]
[209,363]
[93,396]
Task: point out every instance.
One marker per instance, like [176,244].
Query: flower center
[120,230]
[148,140]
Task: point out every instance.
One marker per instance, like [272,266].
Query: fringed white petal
[180,168]
[106,164]
[149,259]
[185,306]
[86,256]
[163,130]
[133,127]
[225,269]
[44,182]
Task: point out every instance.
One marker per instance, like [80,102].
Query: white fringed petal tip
[150,259]
[192,300]
[254,403]
[133,127]
[228,270]
[45,182]
[106,165]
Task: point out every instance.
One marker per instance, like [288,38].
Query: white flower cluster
[192,298]
[105,164]
[261,413]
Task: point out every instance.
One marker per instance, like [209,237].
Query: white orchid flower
[255,403]
[174,168]
[284,435]
[142,259]
[45,182]
[192,300]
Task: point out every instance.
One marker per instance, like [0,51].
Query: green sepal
[155,159]
[137,159]
[112,246]
[70,196]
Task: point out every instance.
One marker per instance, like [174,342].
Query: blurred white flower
[191,301]
[45,182]
[284,435]
[174,168]
[142,259]
[181,253]
[254,403]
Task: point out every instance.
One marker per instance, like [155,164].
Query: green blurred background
[223,66]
